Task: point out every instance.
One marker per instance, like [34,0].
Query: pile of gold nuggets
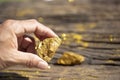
[46,50]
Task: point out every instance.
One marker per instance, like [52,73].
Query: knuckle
[32,61]
[8,22]
[34,20]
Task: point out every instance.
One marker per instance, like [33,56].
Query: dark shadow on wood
[11,76]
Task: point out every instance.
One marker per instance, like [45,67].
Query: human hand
[17,48]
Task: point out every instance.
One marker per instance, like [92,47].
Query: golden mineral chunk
[46,49]
[70,58]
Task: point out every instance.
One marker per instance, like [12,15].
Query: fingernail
[43,65]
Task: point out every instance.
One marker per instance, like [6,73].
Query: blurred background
[90,27]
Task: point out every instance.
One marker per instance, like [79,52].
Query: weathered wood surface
[97,21]
[79,72]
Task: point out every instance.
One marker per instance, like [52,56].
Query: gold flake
[111,38]
[40,19]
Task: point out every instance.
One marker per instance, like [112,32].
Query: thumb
[31,60]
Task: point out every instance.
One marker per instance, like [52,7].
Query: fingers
[26,44]
[20,27]
[31,60]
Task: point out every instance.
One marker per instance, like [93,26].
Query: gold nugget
[46,49]
[70,58]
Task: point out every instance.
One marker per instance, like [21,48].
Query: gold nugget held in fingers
[70,58]
[46,49]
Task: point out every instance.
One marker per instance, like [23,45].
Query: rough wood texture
[97,21]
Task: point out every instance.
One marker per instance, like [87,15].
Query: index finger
[20,27]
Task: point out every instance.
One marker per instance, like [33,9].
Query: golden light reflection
[84,27]
[111,38]
[74,38]
[84,44]
[63,36]
[92,25]
[41,19]
[24,12]
[80,27]
[71,1]
[110,61]
[71,37]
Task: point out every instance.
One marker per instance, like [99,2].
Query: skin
[16,48]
